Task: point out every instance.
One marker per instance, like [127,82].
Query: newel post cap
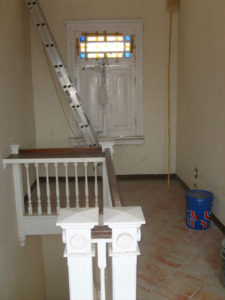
[123,216]
[107,144]
[77,218]
[14,148]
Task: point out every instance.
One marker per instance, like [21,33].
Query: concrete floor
[176,262]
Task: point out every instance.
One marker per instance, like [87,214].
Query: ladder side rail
[61,72]
[49,43]
[42,27]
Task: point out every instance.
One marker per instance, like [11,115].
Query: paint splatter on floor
[177,263]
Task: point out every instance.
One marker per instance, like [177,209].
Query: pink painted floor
[177,263]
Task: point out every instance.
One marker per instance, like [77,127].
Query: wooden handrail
[58,153]
[101,232]
[60,150]
[113,184]
[105,231]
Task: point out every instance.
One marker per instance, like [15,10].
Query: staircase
[76,189]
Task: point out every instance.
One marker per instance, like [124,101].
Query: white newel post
[18,193]
[77,224]
[125,223]
[108,144]
[19,200]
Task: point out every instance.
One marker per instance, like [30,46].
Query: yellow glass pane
[100,38]
[105,47]
[127,46]
[119,38]
[82,47]
[91,38]
[114,38]
[111,38]
[95,55]
[114,55]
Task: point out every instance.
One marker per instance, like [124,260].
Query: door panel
[89,92]
[120,111]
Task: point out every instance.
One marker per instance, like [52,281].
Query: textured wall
[201,97]
[51,127]
[56,273]
[21,269]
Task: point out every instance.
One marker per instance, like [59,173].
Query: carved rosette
[78,242]
[124,241]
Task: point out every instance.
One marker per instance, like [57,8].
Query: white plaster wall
[56,272]
[51,127]
[201,97]
[21,268]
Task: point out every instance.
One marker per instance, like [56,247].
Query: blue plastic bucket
[199,204]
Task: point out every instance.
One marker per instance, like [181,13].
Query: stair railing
[78,190]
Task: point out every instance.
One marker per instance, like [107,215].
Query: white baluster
[96,185]
[86,185]
[49,209]
[67,186]
[106,200]
[38,190]
[30,210]
[102,265]
[57,188]
[76,185]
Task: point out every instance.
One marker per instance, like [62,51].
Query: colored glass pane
[105,45]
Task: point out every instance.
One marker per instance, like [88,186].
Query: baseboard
[217,222]
[182,183]
[144,176]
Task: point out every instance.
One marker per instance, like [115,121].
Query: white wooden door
[117,117]
[122,116]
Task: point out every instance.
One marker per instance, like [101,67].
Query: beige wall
[51,128]
[56,273]
[201,97]
[21,268]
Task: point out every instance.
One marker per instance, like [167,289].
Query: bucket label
[197,220]
[207,215]
[194,216]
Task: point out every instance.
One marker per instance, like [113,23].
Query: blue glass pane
[127,54]
[127,38]
[82,55]
[82,38]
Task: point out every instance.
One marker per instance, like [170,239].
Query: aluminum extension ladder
[61,72]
